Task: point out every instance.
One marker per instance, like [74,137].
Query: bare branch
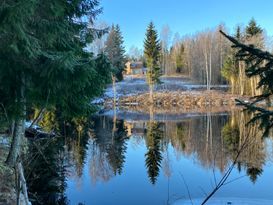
[186,185]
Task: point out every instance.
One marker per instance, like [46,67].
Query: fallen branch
[23,183]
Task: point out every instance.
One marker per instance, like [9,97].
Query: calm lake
[131,158]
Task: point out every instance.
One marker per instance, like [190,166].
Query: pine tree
[43,61]
[115,51]
[152,55]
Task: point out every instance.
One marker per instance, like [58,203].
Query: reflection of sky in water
[133,186]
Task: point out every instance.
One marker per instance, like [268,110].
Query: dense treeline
[201,137]
[234,69]
[208,58]
[44,62]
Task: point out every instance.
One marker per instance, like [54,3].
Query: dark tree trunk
[18,134]
[19,126]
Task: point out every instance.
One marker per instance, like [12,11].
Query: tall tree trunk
[114,89]
[252,87]
[221,55]
[210,67]
[151,93]
[207,70]
[19,127]
[15,148]
[114,108]
[232,80]
[241,79]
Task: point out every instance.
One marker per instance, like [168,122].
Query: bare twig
[203,191]
[213,169]
[186,185]
[43,156]
[233,180]
[228,172]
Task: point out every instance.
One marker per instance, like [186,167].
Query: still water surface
[131,159]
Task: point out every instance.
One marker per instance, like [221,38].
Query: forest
[69,109]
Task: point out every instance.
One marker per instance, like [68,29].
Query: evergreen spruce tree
[254,34]
[238,34]
[115,51]
[153,155]
[43,62]
[253,29]
[152,55]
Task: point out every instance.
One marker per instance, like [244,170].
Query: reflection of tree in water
[201,136]
[231,133]
[253,173]
[49,158]
[76,134]
[215,140]
[117,149]
[180,135]
[99,166]
[108,148]
[235,132]
[45,171]
[153,155]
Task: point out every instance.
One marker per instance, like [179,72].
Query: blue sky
[183,16]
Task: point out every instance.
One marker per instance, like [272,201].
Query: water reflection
[234,133]
[110,150]
[45,172]
[153,157]
[49,161]
[213,139]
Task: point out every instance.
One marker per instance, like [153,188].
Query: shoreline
[186,100]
